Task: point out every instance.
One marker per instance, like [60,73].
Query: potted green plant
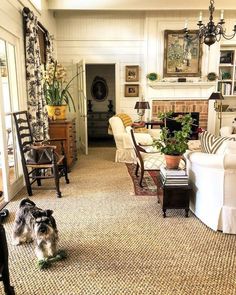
[152,76]
[211,76]
[173,145]
[56,90]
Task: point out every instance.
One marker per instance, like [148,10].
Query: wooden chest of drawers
[65,129]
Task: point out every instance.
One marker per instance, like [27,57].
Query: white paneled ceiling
[140,4]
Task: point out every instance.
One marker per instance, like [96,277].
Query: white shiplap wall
[109,37]
[127,38]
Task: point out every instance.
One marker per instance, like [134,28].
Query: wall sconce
[218,97]
[141,106]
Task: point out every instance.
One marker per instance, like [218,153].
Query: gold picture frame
[132,73]
[131,90]
[182,57]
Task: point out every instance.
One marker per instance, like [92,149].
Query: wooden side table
[154,123]
[174,197]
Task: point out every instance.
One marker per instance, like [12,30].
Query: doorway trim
[11,189]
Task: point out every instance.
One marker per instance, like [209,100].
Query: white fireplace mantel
[180,90]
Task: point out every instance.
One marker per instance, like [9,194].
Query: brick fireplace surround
[200,106]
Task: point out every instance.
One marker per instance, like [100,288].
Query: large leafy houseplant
[56,90]
[175,143]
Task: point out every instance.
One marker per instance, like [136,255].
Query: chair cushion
[141,130]
[141,138]
[152,161]
[210,143]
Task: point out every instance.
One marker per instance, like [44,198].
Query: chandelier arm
[218,37]
[228,37]
[210,33]
[202,30]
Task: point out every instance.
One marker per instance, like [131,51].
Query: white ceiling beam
[139,5]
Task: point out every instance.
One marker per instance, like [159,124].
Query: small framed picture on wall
[131,90]
[132,73]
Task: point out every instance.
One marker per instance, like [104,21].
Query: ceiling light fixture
[211,32]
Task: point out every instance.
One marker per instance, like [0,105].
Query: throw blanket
[127,121]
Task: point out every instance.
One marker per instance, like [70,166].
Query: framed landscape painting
[182,57]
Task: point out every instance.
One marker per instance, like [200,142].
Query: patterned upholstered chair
[148,159]
[119,124]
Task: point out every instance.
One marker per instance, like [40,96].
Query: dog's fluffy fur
[34,224]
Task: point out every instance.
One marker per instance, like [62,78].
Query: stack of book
[173,176]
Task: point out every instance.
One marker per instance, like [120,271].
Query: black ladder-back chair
[34,170]
[4,270]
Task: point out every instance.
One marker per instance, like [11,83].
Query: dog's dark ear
[36,214]
[49,213]
[26,201]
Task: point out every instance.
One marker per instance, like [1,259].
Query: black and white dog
[34,224]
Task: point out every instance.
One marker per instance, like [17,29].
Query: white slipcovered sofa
[213,177]
[124,147]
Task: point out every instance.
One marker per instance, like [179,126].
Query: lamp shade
[216,96]
[142,105]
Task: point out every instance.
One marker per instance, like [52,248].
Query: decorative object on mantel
[210,33]
[174,145]
[211,76]
[182,57]
[182,80]
[141,106]
[218,97]
[152,76]
[132,73]
[56,92]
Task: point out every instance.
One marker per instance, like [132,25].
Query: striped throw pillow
[211,143]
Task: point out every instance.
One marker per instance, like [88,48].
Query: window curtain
[49,48]
[35,100]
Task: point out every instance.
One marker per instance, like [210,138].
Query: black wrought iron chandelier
[211,32]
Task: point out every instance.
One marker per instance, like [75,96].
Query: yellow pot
[57,112]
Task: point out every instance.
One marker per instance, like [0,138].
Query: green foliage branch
[177,143]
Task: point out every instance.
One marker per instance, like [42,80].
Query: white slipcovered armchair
[214,188]
[124,147]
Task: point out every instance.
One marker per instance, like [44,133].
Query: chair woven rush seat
[39,158]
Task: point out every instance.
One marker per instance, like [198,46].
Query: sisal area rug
[149,182]
[118,244]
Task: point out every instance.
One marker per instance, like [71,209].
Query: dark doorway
[100,88]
